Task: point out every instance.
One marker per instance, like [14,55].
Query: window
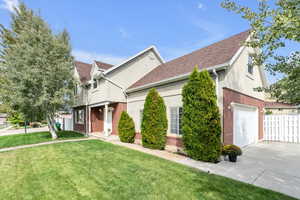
[77,89]
[79,116]
[175,118]
[95,83]
[250,64]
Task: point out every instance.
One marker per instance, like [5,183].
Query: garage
[245,124]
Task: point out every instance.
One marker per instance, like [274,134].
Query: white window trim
[177,120]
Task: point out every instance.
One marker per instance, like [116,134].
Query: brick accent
[116,115]
[171,140]
[79,127]
[230,96]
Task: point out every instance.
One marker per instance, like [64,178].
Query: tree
[37,66]
[201,124]
[126,128]
[272,27]
[154,122]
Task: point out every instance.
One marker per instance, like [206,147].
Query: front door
[97,119]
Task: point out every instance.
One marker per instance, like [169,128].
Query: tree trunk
[51,127]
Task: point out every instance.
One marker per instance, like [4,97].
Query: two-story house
[101,91]
[230,64]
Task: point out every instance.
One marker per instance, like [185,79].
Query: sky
[112,31]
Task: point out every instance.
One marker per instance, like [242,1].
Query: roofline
[175,78]
[152,47]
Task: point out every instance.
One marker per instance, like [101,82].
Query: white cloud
[200,6]
[10,5]
[89,57]
[124,33]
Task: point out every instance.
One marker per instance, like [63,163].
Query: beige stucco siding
[238,78]
[235,77]
[112,89]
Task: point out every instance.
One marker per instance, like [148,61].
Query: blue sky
[112,31]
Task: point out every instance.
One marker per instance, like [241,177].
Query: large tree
[37,67]
[201,125]
[273,24]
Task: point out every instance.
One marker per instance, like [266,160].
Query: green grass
[33,138]
[90,170]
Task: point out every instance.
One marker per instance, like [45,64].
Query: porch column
[105,119]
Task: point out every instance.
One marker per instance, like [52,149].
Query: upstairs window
[95,83]
[175,118]
[250,64]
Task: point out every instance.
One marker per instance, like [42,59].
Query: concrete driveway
[22,131]
[275,166]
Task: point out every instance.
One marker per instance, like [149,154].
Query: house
[281,108]
[107,92]
[100,95]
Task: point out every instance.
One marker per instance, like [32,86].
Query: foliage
[201,124]
[231,149]
[35,124]
[4,108]
[16,118]
[273,26]
[154,122]
[126,128]
[268,112]
[36,65]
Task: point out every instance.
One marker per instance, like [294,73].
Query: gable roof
[103,65]
[216,54]
[151,48]
[84,71]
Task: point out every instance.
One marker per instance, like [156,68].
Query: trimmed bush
[154,122]
[231,149]
[201,124]
[126,128]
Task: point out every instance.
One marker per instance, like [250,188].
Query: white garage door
[245,125]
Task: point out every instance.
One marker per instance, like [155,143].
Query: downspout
[217,94]
[217,81]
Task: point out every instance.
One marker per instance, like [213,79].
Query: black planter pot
[232,157]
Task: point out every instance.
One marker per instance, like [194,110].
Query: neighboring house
[100,93]
[106,91]
[281,108]
[3,117]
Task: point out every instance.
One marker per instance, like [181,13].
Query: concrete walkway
[44,143]
[272,166]
[22,131]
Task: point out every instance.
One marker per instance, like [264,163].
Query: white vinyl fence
[66,123]
[282,128]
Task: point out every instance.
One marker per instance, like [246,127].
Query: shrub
[35,124]
[231,149]
[154,122]
[126,128]
[201,124]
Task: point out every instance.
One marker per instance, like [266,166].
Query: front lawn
[91,170]
[33,138]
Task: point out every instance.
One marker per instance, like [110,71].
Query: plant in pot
[232,151]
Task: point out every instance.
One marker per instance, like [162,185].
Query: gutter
[176,78]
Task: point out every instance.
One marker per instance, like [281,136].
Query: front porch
[104,118]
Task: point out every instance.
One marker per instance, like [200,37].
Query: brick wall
[79,127]
[231,96]
[118,109]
